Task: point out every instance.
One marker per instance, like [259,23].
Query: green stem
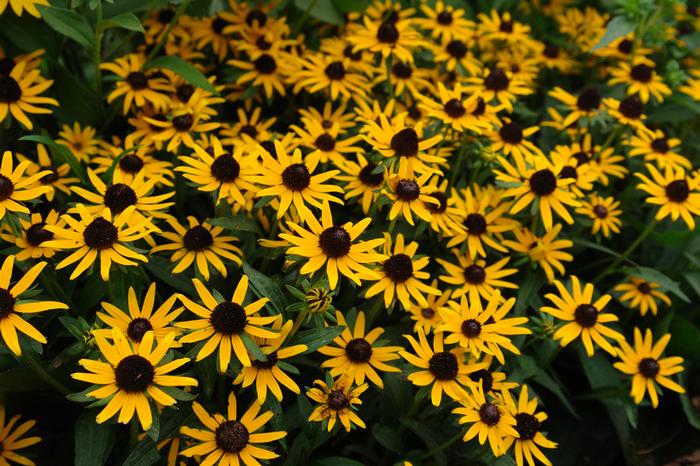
[99,33]
[630,249]
[304,17]
[442,446]
[180,9]
[133,432]
[41,372]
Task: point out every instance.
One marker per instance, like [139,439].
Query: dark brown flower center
[428,313]
[586,315]
[353,56]
[480,107]
[474,274]
[678,191]
[475,224]
[398,268]
[37,234]
[401,70]
[543,182]
[218,25]
[649,367]
[511,133]
[137,328]
[7,64]
[589,99]
[442,202]
[134,374]
[231,436]
[118,197]
[405,143]
[644,288]
[550,50]
[262,44]
[184,92]
[625,46]
[660,145]
[632,107]
[183,123]
[443,365]
[337,400]
[358,350]
[444,18]
[265,64]
[600,211]
[228,318]
[489,414]
[371,179]
[250,130]
[568,172]
[10,91]
[642,73]
[496,80]
[581,158]
[387,33]
[100,234]
[269,362]
[256,16]
[225,168]
[457,49]
[471,328]
[137,80]
[7,303]
[486,378]
[527,426]
[131,163]
[166,15]
[325,142]
[335,242]
[454,108]
[296,177]
[197,238]
[335,71]
[414,113]
[7,187]
[407,190]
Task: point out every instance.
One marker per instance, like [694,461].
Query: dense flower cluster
[271,206]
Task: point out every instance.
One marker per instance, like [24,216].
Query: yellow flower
[657,148]
[131,378]
[675,191]
[34,236]
[356,354]
[646,366]
[11,305]
[81,141]
[604,212]
[410,196]
[16,188]
[475,277]
[337,403]
[642,294]
[390,38]
[546,250]
[640,78]
[20,91]
[30,6]
[229,440]
[137,86]
[11,438]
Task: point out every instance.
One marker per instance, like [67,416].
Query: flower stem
[442,446]
[630,249]
[99,33]
[41,372]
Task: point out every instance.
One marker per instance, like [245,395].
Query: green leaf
[93,441]
[264,287]
[185,70]
[323,10]
[70,24]
[336,461]
[237,223]
[685,339]
[344,6]
[617,27]
[20,379]
[63,152]
[160,267]
[317,337]
[253,347]
[389,438]
[592,245]
[653,275]
[127,21]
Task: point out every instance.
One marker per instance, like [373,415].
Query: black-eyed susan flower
[19,94]
[291,180]
[641,294]
[454,108]
[356,354]
[141,318]
[628,111]
[337,402]
[557,58]
[129,161]
[267,375]
[224,323]
[325,73]
[498,86]
[444,369]
[363,178]
[12,305]
[228,440]
[646,366]
[58,177]
[390,38]
[317,138]
[478,329]
[401,274]
[657,148]
[546,250]
[334,246]
[136,86]
[80,140]
[539,182]
[130,378]
[250,123]
[585,27]
[640,78]
[184,125]
[482,211]
[428,317]
[18,7]
[200,244]
[489,380]
[444,21]
[15,187]
[455,56]
[396,139]
[675,191]
[11,437]
[497,26]
[103,236]
[33,236]
[585,318]
[218,170]
[586,104]
[406,77]
[411,195]
[511,139]
[209,32]
[267,70]
[474,277]
[489,418]
[604,212]
[528,425]
[329,116]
